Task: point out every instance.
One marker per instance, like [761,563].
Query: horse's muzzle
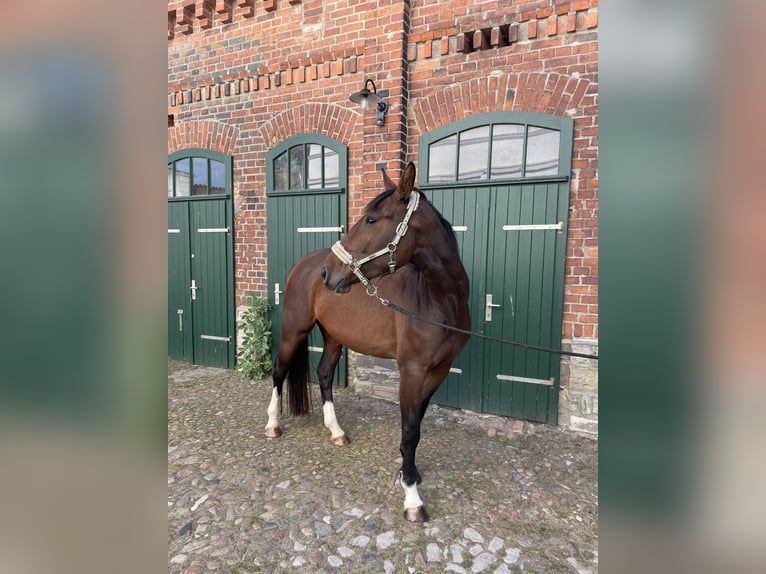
[339,285]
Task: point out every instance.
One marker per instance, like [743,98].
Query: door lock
[488,305]
[194,290]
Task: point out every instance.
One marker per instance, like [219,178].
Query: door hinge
[214,338]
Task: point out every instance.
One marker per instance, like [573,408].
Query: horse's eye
[370,220]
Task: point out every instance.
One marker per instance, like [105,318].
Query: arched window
[497,149]
[307,163]
[198,172]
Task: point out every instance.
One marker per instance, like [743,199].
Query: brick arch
[205,134]
[546,93]
[329,120]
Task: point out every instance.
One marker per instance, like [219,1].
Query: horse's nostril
[324,274]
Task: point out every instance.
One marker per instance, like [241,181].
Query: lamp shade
[365,97]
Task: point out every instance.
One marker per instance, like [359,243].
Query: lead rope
[387,303]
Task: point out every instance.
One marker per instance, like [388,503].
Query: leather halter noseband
[355,265]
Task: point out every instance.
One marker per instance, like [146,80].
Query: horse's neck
[442,269]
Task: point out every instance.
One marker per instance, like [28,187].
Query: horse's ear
[406,183]
[388,183]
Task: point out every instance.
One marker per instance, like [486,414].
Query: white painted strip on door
[515,379]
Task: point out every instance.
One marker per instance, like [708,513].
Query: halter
[355,265]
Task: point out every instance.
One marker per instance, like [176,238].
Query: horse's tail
[298,394]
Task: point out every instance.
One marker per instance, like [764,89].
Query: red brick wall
[244,75]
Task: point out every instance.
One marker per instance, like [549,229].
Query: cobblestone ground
[500,500]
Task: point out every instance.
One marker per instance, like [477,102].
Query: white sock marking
[330,421]
[411,497]
[273,410]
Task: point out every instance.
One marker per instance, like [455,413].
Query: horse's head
[381,241]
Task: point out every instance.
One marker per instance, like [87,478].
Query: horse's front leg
[413,407]
[326,370]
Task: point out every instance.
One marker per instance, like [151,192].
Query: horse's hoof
[272,432]
[341,440]
[418,514]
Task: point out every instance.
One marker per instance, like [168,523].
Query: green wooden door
[212,320]
[201,322]
[179,299]
[306,211]
[509,216]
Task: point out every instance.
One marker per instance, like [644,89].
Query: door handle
[488,305]
[180,320]
[194,290]
[277,292]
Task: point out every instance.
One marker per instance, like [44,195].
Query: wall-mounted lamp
[365,98]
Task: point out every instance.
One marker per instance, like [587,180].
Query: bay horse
[402,241]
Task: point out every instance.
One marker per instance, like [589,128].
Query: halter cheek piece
[355,265]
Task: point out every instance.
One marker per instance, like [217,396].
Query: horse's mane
[446,224]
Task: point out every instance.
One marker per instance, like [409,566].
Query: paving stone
[383,541]
[482,562]
[334,561]
[512,555]
[457,552]
[472,535]
[433,553]
[495,544]
[360,541]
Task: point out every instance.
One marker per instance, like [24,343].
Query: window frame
[209,155]
[563,125]
[306,140]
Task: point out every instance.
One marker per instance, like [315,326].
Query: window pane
[199,169]
[183,179]
[542,152]
[217,177]
[441,160]
[297,161]
[474,151]
[280,172]
[331,168]
[507,150]
[170,180]
[314,166]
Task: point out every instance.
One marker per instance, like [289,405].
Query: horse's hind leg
[327,364]
[272,429]
[287,350]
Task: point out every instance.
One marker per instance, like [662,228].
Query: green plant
[254,355]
